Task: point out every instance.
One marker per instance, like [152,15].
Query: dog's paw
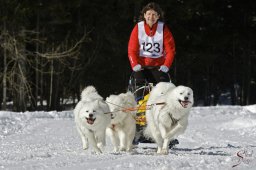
[85,143]
[100,145]
[159,150]
[164,152]
[115,150]
[85,147]
[129,149]
[121,149]
[97,151]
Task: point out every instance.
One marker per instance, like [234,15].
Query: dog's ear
[110,98]
[131,98]
[104,106]
[124,97]
[97,103]
[130,95]
[128,98]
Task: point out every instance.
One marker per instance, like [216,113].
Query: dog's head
[118,105]
[92,111]
[162,87]
[182,97]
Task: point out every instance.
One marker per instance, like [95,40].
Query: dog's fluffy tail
[90,94]
[148,134]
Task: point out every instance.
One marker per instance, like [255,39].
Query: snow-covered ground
[221,137]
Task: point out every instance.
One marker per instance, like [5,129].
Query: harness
[130,109]
[175,121]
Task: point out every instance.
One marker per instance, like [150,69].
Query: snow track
[49,140]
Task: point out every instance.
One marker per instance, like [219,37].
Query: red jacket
[168,48]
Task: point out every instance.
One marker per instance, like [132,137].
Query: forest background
[50,50]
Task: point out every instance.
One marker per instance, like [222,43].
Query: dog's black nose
[186,98]
[90,115]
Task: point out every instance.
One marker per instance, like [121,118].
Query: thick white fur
[123,125]
[159,90]
[92,104]
[166,122]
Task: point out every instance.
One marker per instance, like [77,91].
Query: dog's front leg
[178,129]
[129,140]
[113,137]
[166,141]
[101,138]
[84,139]
[165,149]
[122,138]
[170,135]
[92,141]
[156,134]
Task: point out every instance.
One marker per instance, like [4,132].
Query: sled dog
[168,120]
[123,125]
[160,89]
[91,120]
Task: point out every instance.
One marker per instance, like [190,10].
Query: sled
[141,93]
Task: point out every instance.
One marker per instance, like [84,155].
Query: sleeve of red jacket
[133,47]
[169,47]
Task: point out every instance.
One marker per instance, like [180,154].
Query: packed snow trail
[49,140]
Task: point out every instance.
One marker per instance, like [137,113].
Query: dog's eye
[93,111]
[181,93]
[188,93]
[87,111]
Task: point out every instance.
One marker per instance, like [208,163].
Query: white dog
[123,125]
[91,120]
[168,116]
[160,89]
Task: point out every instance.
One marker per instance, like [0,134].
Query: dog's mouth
[90,120]
[184,103]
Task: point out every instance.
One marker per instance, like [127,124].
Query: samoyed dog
[91,120]
[168,116]
[123,125]
[160,89]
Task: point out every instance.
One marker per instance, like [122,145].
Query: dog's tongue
[90,121]
[184,103]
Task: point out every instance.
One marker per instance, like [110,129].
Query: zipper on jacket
[151,33]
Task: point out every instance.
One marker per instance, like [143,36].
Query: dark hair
[152,6]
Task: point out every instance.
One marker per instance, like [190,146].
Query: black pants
[148,75]
[151,76]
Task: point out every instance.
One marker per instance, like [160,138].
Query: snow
[217,137]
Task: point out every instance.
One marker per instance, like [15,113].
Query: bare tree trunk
[247,70]
[41,79]
[37,62]
[246,80]
[21,75]
[248,84]
[55,105]
[5,72]
[207,82]
[21,89]
[51,86]
[242,92]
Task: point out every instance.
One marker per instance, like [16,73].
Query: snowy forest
[51,50]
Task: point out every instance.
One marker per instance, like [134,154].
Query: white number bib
[151,47]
